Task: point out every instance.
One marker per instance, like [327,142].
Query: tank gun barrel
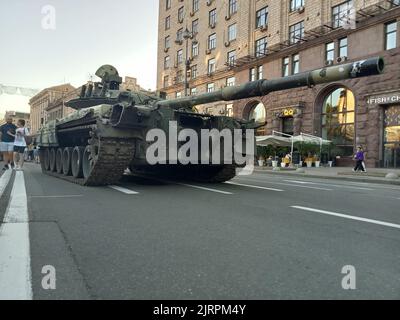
[362,68]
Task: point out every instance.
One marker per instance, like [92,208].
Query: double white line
[15,264]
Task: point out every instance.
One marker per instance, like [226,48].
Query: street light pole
[187,35]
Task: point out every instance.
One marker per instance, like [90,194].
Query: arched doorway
[256,111]
[338,120]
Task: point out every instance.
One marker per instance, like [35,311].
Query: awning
[310,139]
[273,141]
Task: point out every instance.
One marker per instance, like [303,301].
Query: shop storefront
[392,137]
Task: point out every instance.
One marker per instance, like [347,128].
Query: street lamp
[187,35]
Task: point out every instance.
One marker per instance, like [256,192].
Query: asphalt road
[260,237]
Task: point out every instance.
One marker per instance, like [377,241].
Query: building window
[181,14]
[295,64]
[231,58]
[167,60]
[262,17]
[229,110]
[210,87]
[195,49]
[230,82]
[212,41]
[168,4]
[341,13]
[260,72]
[232,32]
[195,5]
[392,137]
[330,51]
[167,23]
[179,56]
[193,72]
[211,66]
[285,66]
[179,35]
[343,45]
[261,47]
[167,43]
[391,35]
[179,76]
[212,18]
[195,26]
[296,32]
[296,4]
[193,91]
[256,73]
[166,81]
[178,94]
[338,115]
[253,74]
[232,7]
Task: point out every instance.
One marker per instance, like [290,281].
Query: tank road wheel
[66,161]
[52,159]
[46,160]
[59,166]
[76,162]
[88,162]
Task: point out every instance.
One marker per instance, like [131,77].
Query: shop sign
[385,99]
[288,112]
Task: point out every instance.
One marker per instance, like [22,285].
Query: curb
[343,178]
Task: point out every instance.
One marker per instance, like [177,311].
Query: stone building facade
[15,116]
[40,102]
[57,109]
[275,39]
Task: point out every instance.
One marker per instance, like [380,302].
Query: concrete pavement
[258,237]
[374,175]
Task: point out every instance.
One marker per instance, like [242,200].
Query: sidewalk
[374,175]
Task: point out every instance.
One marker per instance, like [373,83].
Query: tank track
[114,156]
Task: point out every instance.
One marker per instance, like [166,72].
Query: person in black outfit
[7,143]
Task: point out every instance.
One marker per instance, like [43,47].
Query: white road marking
[204,188]
[255,187]
[383,223]
[286,184]
[66,196]
[329,185]
[15,263]
[4,180]
[123,190]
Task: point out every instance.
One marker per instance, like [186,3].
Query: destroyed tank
[106,134]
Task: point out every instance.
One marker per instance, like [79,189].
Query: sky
[44,43]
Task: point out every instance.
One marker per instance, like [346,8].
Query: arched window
[259,114]
[338,115]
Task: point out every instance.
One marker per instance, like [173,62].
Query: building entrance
[392,137]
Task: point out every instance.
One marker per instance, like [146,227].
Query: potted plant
[261,161]
[317,162]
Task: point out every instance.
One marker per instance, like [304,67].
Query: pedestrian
[359,157]
[20,144]
[7,143]
[36,154]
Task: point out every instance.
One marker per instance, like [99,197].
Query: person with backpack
[20,136]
